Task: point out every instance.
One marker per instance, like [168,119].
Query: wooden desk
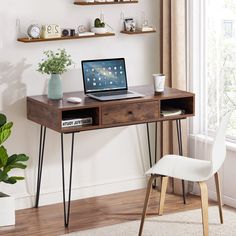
[49,114]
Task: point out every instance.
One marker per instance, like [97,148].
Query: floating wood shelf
[138,32]
[27,40]
[102,3]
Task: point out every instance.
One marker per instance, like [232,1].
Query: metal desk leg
[149,149]
[149,146]
[155,143]
[179,134]
[67,208]
[40,162]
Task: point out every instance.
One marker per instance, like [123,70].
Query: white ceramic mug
[159,82]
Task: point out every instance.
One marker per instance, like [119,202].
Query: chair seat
[182,168]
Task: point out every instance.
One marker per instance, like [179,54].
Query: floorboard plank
[93,212]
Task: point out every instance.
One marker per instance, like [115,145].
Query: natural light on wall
[220,61]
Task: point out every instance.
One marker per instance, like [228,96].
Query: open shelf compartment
[186,105]
[84,113]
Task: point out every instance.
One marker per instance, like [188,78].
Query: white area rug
[186,223]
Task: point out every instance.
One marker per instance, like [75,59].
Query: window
[213,40]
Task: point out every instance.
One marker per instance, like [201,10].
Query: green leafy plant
[98,23]
[55,62]
[7,163]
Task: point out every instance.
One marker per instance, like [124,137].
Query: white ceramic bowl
[101,30]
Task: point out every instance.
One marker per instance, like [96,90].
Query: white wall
[106,161]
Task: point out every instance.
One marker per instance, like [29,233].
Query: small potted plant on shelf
[99,27]
[55,64]
[7,163]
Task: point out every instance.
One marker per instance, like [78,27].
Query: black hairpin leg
[40,162]
[67,208]
[155,143]
[149,148]
[155,160]
[179,135]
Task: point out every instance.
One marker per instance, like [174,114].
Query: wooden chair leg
[204,200]
[149,188]
[164,183]
[219,197]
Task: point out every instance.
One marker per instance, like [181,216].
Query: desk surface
[107,114]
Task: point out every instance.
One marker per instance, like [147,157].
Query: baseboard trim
[24,201]
[229,201]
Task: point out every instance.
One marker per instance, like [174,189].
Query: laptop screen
[104,75]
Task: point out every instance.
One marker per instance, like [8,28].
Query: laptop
[106,80]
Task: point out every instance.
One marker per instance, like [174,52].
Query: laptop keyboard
[112,93]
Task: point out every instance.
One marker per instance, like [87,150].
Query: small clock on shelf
[34,31]
[50,31]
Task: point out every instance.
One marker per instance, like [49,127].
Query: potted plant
[7,163]
[99,27]
[55,64]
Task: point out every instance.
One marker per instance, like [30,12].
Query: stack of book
[170,111]
[65,123]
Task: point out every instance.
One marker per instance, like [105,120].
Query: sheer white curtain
[211,70]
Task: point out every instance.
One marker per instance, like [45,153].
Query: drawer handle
[130,113]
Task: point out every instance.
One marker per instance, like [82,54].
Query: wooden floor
[93,212]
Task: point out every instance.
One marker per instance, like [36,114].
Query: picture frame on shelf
[129,24]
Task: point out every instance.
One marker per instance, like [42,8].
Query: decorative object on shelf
[55,64]
[131,28]
[145,27]
[34,31]
[7,163]
[129,24]
[68,32]
[83,31]
[99,27]
[65,32]
[72,32]
[159,82]
[50,31]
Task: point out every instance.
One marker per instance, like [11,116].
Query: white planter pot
[7,210]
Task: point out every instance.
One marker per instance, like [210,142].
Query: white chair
[191,170]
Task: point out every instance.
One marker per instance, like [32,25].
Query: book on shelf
[145,29]
[86,34]
[171,111]
[66,123]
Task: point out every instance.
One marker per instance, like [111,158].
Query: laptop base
[116,97]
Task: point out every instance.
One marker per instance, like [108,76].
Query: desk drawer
[131,112]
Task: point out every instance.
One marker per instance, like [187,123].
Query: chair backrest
[218,152]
